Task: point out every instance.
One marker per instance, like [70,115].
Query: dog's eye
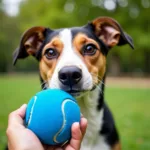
[51,53]
[89,49]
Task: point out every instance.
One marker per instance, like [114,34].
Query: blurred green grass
[130,107]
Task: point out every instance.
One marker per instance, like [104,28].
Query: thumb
[17,116]
[76,139]
[21,111]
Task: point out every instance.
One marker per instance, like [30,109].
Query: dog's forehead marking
[68,55]
[65,34]
[66,37]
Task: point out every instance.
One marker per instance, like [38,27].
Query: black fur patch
[109,130]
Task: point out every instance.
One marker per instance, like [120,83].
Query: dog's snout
[70,75]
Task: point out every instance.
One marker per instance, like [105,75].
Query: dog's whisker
[43,83]
[96,76]
[100,81]
[45,87]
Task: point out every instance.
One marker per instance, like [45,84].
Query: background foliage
[133,16]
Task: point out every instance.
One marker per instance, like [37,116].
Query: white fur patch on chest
[92,139]
[101,144]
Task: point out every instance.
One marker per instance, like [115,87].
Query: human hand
[21,138]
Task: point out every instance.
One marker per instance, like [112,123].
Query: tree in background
[8,39]
[131,14]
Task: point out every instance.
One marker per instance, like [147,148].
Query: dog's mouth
[74,93]
[77,91]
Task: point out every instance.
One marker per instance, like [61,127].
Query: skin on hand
[21,138]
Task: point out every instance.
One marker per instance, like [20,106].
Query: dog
[74,60]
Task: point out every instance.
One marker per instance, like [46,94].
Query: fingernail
[76,124]
[23,106]
[85,120]
[81,115]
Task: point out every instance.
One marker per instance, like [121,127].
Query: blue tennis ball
[50,115]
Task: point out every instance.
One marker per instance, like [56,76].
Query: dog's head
[73,59]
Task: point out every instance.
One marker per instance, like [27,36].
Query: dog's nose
[70,75]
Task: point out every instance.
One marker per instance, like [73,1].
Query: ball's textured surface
[50,115]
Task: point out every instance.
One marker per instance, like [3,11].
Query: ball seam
[32,108]
[64,119]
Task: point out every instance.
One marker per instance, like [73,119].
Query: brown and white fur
[74,60]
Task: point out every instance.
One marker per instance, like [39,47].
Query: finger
[81,115]
[83,126]
[75,141]
[22,110]
[9,145]
[17,116]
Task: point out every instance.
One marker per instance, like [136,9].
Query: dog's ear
[30,43]
[110,32]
